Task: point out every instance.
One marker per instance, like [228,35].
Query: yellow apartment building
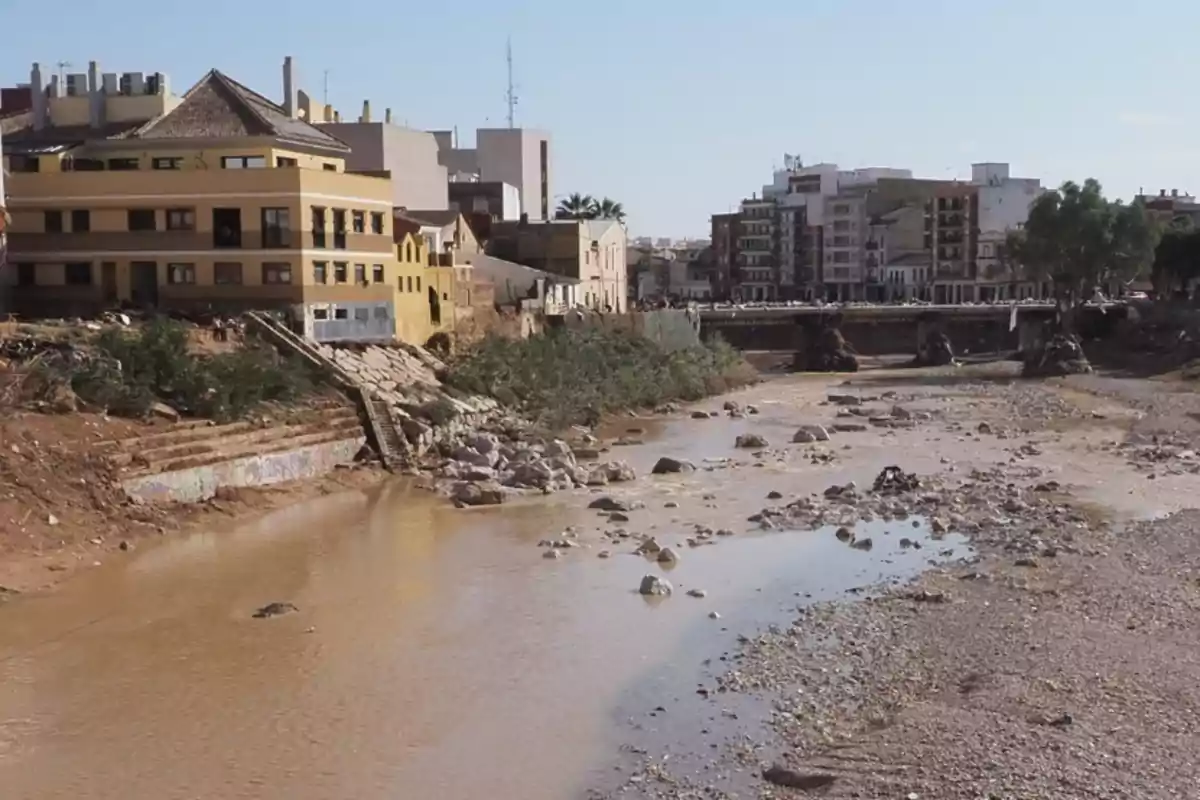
[414,291]
[123,195]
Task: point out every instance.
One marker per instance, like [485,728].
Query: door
[108,282]
[143,280]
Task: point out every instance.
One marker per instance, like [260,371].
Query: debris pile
[1060,355]
[829,352]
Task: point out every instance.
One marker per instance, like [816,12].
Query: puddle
[665,715]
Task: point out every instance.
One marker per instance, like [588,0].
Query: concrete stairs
[376,420]
[196,443]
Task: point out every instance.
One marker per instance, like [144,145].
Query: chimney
[1162,192]
[387,116]
[95,97]
[55,88]
[1174,193]
[366,115]
[38,97]
[337,116]
[289,87]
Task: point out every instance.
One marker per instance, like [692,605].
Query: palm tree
[608,209]
[576,206]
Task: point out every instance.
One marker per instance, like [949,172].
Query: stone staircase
[198,443]
[376,420]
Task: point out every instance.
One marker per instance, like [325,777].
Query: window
[284,161]
[359,220]
[167,163]
[53,221]
[339,229]
[360,273]
[329,167]
[841,258]
[123,164]
[339,271]
[418,283]
[320,313]
[318,226]
[341,313]
[841,241]
[181,274]
[275,274]
[24,164]
[841,208]
[377,273]
[83,165]
[841,225]
[276,227]
[141,219]
[362,315]
[81,220]
[181,219]
[320,271]
[381,312]
[243,162]
[79,274]
[227,273]
[26,275]
[377,222]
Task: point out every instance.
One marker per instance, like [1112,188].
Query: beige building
[518,157]
[122,194]
[591,251]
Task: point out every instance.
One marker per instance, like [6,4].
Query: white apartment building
[1004,204]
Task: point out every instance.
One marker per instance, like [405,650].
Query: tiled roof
[219,107]
[20,137]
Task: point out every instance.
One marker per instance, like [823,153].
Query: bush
[575,376]
[131,370]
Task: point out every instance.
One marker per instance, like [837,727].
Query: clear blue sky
[679,108]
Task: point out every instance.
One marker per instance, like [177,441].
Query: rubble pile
[935,351]
[829,352]
[1059,355]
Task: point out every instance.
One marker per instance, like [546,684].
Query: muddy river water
[435,653]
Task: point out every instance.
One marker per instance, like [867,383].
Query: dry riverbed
[1057,660]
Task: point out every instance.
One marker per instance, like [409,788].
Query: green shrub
[131,370]
[575,376]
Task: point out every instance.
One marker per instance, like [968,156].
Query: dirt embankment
[62,506]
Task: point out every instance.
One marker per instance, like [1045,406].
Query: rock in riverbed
[811,433]
[667,465]
[484,493]
[750,441]
[274,610]
[654,586]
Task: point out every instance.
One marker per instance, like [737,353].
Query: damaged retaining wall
[201,483]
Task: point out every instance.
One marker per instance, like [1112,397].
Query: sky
[680,108]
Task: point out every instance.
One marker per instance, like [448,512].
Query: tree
[1177,258]
[1082,241]
[576,206]
[608,209]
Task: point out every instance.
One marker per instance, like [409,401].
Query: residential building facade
[122,194]
[725,234]
[591,251]
[409,156]
[519,157]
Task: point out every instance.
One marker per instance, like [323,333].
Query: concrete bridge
[895,329]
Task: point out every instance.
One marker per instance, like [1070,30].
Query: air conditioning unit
[154,83]
[77,85]
[126,83]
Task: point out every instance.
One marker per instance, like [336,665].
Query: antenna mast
[511,94]
[63,66]
[325,86]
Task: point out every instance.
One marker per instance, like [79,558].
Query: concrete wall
[201,483]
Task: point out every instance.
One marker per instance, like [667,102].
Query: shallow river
[435,652]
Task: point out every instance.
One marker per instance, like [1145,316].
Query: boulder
[828,352]
[275,610]
[607,503]
[667,465]
[699,415]
[811,433]
[618,472]
[654,586]
[730,405]
[750,441]
[484,493]
[667,556]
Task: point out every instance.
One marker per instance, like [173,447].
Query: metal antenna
[511,94]
[63,66]
[325,94]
